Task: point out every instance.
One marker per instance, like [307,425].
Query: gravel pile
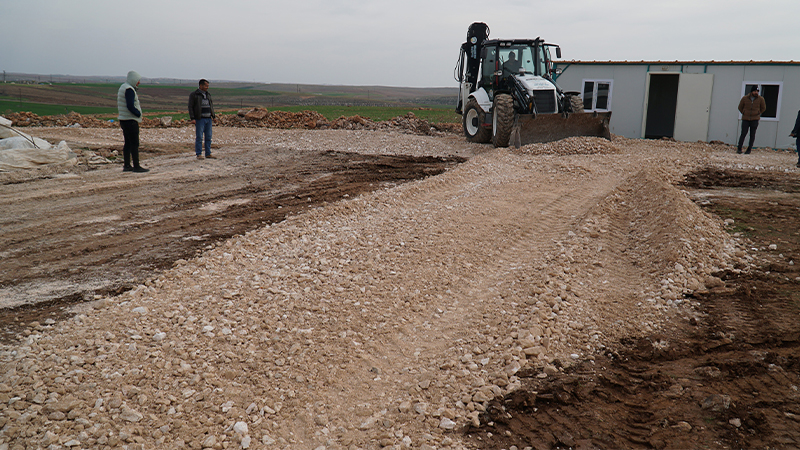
[571,146]
[387,320]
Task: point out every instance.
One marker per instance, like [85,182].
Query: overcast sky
[390,43]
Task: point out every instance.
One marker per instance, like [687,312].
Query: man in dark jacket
[751,106]
[796,134]
[201,113]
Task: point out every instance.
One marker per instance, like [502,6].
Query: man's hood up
[133,77]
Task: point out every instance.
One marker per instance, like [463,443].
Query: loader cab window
[488,68]
[520,57]
[541,60]
[548,61]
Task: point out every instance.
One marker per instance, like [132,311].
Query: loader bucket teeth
[529,129]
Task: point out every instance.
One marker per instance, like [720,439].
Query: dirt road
[72,235]
[419,315]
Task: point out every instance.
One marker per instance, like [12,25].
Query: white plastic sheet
[19,151]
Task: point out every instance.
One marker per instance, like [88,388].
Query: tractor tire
[472,122]
[576,104]
[502,119]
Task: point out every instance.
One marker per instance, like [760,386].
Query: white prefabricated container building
[687,100]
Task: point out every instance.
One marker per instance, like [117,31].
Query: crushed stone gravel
[386,320]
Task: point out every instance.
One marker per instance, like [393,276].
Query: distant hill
[242,93]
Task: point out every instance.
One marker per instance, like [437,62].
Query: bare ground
[725,378]
[72,234]
[568,295]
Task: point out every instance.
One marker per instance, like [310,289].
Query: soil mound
[254,118]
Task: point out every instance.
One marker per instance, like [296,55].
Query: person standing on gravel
[130,115]
[796,134]
[201,113]
[751,106]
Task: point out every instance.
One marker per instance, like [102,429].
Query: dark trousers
[748,125]
[130,151]
[797,145]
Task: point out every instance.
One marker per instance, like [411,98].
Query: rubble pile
[254,118]
[73,119]
[262,118]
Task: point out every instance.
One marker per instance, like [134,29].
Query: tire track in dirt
[520,226]
[727,373]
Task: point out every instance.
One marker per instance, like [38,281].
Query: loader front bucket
[529,129]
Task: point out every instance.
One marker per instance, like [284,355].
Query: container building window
[771,91]
[597,95]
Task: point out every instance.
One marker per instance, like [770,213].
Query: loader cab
[503,58]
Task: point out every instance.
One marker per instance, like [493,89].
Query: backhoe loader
[507,94]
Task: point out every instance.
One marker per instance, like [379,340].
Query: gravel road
[385,319]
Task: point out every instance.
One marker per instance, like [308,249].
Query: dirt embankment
[570,294]
[253,118]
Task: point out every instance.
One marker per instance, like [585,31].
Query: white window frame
[760,85]
[594,93]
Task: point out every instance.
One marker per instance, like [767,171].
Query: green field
[43,109]
[100,99]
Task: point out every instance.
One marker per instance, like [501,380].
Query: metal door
[694,105]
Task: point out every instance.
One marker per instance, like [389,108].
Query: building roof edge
[673,63]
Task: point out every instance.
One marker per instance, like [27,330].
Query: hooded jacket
[751,108]
[128,99]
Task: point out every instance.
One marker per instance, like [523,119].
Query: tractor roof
[509,42]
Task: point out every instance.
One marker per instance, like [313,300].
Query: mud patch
[728,377]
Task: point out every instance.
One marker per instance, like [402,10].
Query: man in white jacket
[130,115]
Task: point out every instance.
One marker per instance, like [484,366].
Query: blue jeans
[202,128]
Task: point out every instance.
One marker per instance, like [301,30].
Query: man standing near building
[751,106]
[201,113]
[796,134]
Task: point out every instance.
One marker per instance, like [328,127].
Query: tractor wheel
[502,119]
[575,103]
[472,121]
